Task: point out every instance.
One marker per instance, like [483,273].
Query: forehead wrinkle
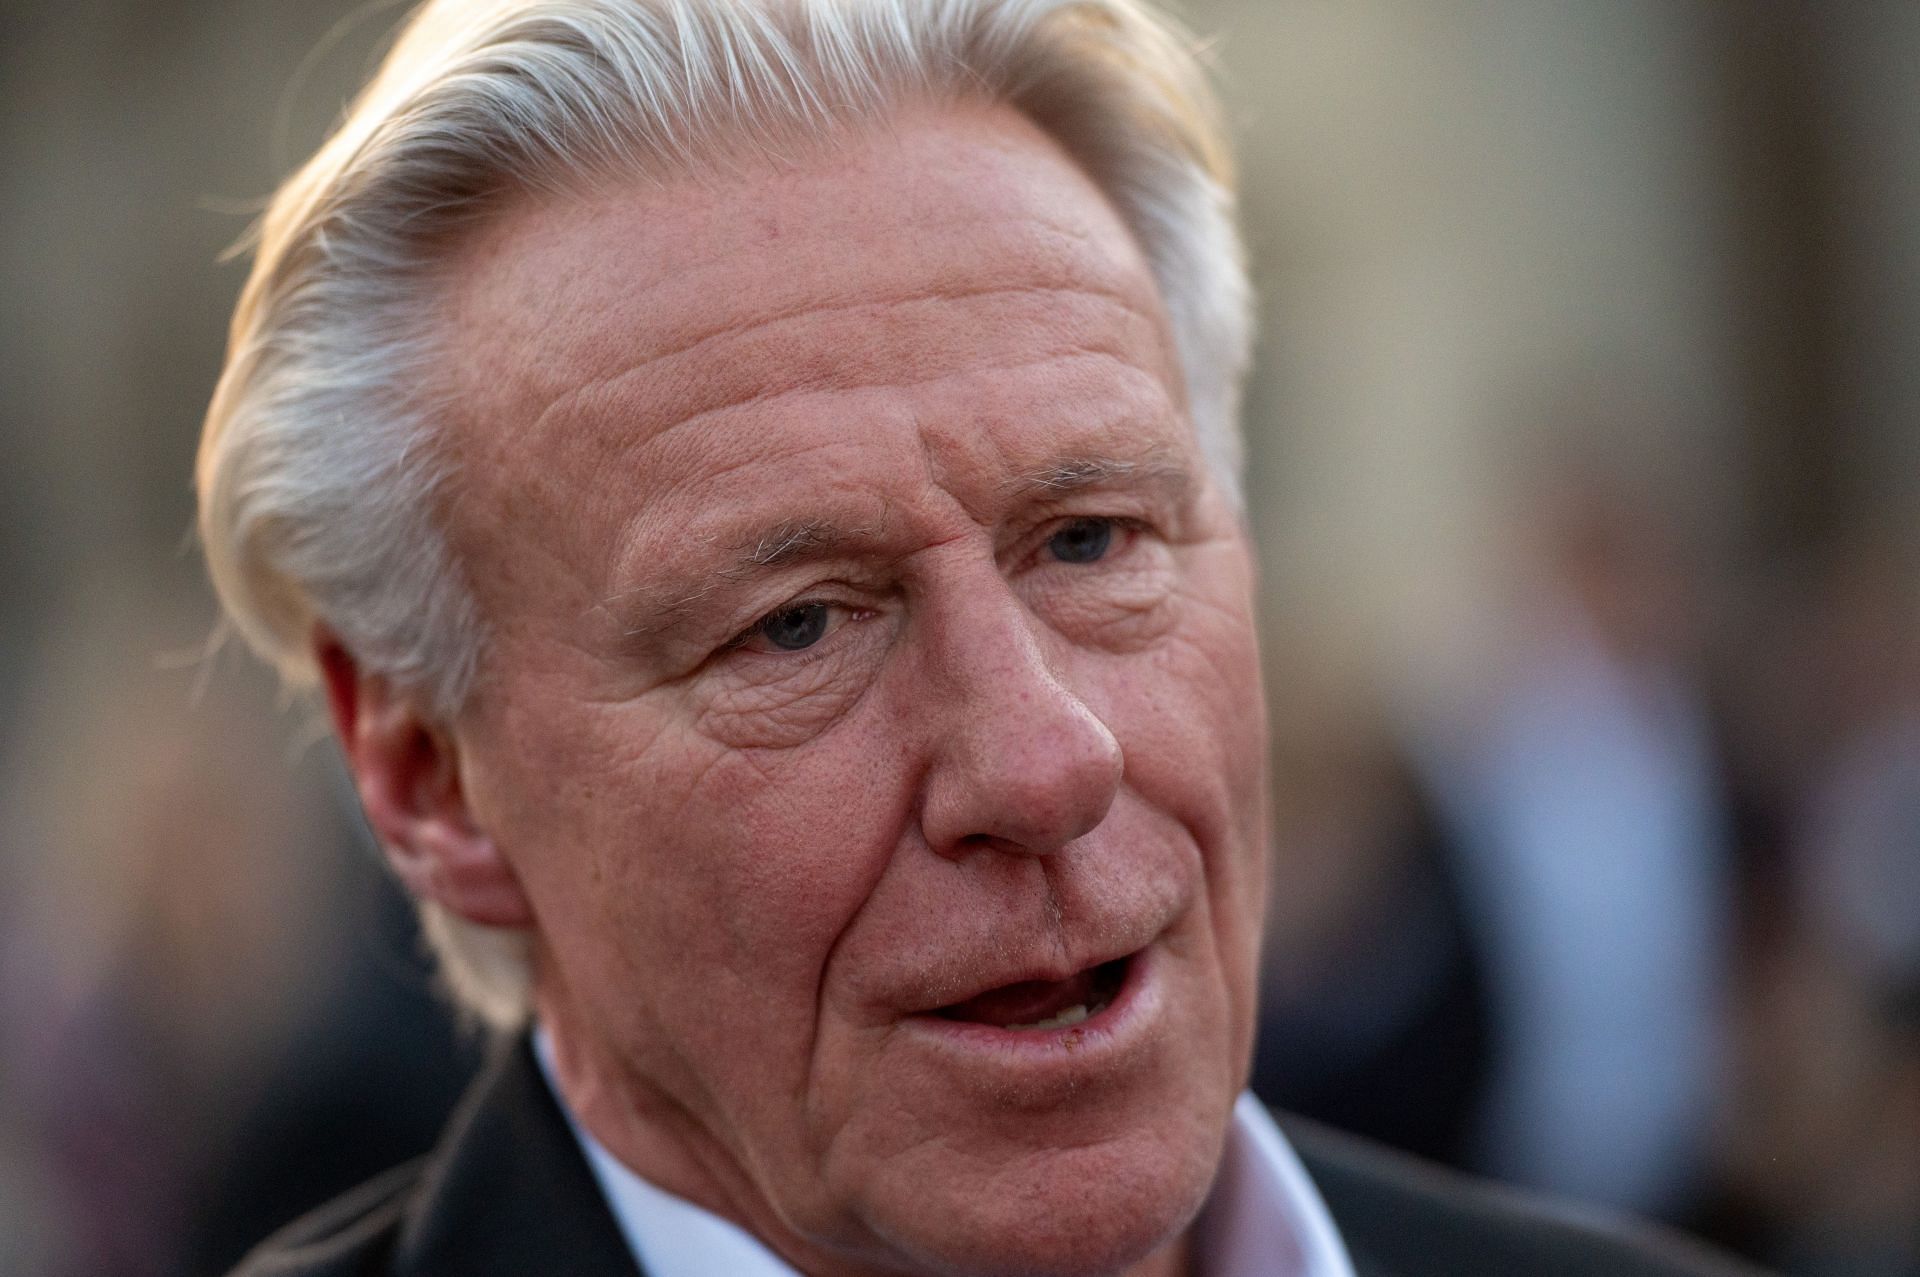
[764,548]
[794,394]
[580,318]
[579,398]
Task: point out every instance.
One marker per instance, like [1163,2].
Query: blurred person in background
[1582,788]
[183,921]
[1824,1158]
[1375,1013]
[149,965]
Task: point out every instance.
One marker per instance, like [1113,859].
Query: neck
[649,1134]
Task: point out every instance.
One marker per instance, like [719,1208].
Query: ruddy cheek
[1190,715]
[790,847]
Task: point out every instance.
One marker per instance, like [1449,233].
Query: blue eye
[1082,541]
[796,628]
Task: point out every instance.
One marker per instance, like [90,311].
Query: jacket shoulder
[505,1190]
[1411,1217]
[351,1236]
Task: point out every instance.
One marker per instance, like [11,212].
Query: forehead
[954,273]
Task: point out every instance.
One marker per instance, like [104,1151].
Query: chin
[1085,1212]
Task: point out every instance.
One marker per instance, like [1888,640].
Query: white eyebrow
[1075,473]
[785,543]
[799,540]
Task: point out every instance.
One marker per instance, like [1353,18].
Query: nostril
[961,848]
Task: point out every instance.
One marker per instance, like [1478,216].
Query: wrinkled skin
[866,631]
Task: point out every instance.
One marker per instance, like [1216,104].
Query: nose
[1019,763]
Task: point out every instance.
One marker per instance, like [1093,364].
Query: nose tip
[1028,771]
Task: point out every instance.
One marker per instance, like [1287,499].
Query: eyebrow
[1074,474]
[649,611]
[795,541]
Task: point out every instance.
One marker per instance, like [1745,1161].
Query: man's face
[872,714]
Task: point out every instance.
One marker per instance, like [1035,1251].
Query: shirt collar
[1264,1218]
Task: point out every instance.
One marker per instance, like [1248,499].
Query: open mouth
[1036,1005]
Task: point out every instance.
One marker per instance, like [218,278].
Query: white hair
[318,472]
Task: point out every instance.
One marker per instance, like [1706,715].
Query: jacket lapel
[1365,1263]
[509,1191]
[1328,1161]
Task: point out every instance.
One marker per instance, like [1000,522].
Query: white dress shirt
[1265,1218]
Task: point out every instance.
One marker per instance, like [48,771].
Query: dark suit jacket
[508,1193]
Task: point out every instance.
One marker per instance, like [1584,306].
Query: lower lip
[1119,1024]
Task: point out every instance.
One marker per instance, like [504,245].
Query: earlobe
[406,768]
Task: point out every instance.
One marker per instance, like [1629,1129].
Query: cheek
[711,881]
[789,844]
[1191,715]
[1191,718]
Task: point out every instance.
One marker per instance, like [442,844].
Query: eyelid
[1036,542]
[739,641]
[746,635]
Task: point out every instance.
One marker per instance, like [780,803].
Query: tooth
[1072,1015]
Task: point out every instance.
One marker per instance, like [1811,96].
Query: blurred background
[1586,466]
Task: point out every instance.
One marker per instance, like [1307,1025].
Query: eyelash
[746,636]
[1131,526]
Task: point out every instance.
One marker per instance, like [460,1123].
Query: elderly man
[756,480]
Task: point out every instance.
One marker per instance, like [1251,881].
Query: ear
[406,768]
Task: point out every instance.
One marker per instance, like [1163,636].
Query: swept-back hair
[318,472]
